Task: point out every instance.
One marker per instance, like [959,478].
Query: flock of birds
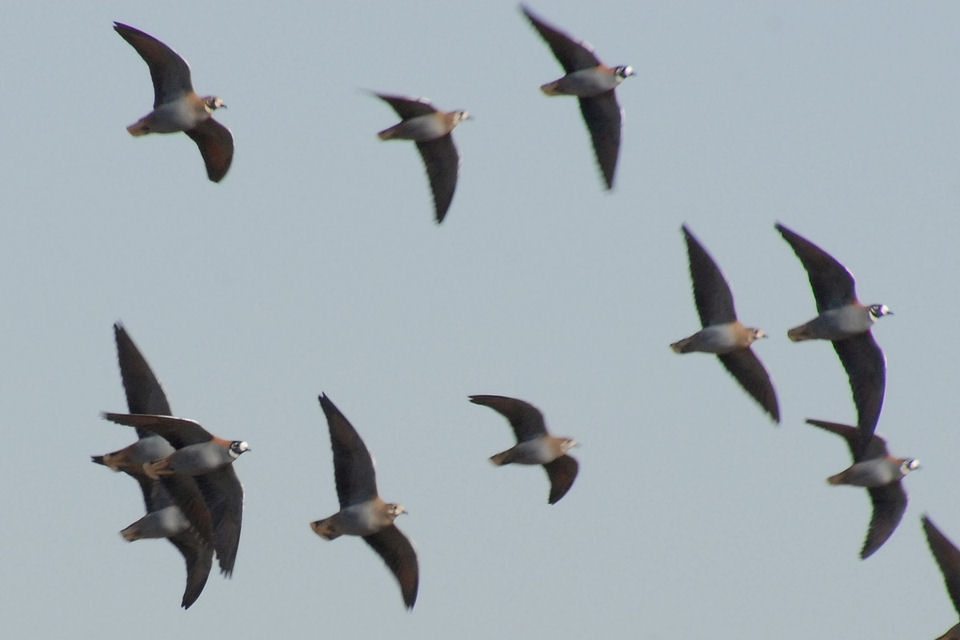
[191,491]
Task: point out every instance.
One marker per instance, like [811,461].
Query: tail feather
[837,478]
[798,333]
[680,346]
[502,458]
[390,132]
[131,533]
[98,460]
[550,88]
[325,528]
[139,128]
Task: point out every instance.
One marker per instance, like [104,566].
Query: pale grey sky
[316,266]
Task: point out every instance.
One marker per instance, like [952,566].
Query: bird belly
[164,523]
[198,459]
[360,519]
[583,83]
[834,324]
[872,473]
[537,451]
[420,128]
[718,338]
[179,115]
[133,456]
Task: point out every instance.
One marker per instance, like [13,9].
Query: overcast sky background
[316,266]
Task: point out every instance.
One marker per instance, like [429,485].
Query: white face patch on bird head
[909,465]
[395,510]
[879,310]
[759,333]
[624,71]
[569,443]
[237,447]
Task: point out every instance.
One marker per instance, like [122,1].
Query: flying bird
[948,559]
[722,333]
[176,107]
[880,474]
[846,322]
[534,444]
[593,83]
[362,512]
[431,130]
[164,519]
[208,460]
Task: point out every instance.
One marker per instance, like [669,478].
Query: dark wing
[746,367]
[352,465]
[710,290]
[876,449]
[867,371]
[179,432]
[170,72]
[198,557]
[948,558]
[401,557]
[571,54]
[832,284]
[526,419]
[143,390]
[406,107]
[223,495]
[562,472]
[186,492]
[443,164]
[889,503]
[197,554]
[216,147]
[602,115]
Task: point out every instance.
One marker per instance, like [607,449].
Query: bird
[948,559]
[722,333]
[593,83]
[362,512]
[208,460]
[880,474]
[176,107]
[431,130]
[164,519]
[534,444]
[846,322]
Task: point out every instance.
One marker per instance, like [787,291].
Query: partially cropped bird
[846,323]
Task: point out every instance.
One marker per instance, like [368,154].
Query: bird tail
[680,346]
[139,128]
[799,333]
[390,132]
[108,460]
[502,458]
[325,528]
[551,88]
[131,533]
[837,478]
